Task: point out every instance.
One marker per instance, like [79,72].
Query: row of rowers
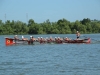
[41,38]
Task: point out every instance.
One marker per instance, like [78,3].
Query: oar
[92,39]
[84,36]
[95,40]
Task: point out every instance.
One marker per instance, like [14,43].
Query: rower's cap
[38,37]
[55,37]
[41,37]
[77,31]
[66,37]
[22,36]
[15,35]
[30,36]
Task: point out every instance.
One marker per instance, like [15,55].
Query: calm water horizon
[51,59]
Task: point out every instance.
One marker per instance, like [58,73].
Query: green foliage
[62,26]
[85,21]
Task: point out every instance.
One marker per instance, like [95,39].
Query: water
[51,59]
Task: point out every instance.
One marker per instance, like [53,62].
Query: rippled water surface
[51,59]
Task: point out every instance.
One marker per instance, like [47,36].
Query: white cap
[41,37]
[15,35]
[66,37]
[55,37]
[30,36]
[77,31]
[22,36]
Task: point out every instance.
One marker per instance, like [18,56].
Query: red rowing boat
[11,41]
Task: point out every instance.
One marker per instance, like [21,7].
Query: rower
[58,40]
[31,39]
[41,40]
[66,38]
[16,37]
[51,39]
[24,38]
[55,38]
[38,39]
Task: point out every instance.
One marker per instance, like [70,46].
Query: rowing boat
[11,41]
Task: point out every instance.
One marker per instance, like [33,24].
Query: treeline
[62,26]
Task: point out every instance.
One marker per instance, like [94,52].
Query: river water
[51,59]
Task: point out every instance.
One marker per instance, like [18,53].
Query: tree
[32,26]
[63,26]
[85,21]
[30,22]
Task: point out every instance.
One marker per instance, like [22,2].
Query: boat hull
[11,41]
[79,41]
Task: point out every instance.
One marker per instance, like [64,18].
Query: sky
[41,10]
